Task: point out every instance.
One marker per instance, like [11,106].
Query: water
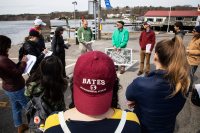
[18,30]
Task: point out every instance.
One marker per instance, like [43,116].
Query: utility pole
[99,20]
[169,18]
[95,17]
[74,3]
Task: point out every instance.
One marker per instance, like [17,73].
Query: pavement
[188,120]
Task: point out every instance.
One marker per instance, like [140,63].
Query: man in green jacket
[120,39]
[84,37]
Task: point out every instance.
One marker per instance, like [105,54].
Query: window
[159,20]
[150,19]
[179,18]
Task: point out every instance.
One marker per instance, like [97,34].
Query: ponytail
[172,56]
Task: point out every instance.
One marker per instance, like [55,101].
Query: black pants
[192,71]
[61,56]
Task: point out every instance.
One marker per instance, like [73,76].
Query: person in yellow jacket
[193,52]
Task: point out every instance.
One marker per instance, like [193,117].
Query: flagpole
[169,18]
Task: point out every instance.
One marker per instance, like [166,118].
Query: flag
[107,3]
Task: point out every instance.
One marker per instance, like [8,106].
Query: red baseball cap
[93,82]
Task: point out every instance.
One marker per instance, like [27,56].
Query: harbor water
[18,30]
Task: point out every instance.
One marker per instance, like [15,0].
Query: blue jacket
[155,110]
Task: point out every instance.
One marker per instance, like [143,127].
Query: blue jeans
[18,101]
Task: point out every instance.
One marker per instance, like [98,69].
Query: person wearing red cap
[147,37]
[95,87]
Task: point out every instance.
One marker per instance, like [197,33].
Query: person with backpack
[58,46]
[95,96]
[45,90]
[13,82]
[31,47]
[158,98]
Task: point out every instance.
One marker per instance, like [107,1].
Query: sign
[122,57]
[107,3]
[91,6]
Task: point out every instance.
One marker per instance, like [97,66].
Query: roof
[185,13]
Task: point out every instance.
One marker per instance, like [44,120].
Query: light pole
[74,3]
[169,18]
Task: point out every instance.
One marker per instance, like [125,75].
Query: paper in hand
[148,48]
[49,53]
[30,63]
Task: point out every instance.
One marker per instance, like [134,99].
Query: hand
[188,51]
[45,51]
[24,58]
[119,49]
[131,104]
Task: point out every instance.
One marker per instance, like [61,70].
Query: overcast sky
[48,6]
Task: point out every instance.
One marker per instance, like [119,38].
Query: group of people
[157,98]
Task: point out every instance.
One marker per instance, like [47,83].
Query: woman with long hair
[158,98]
[58,46]
[13,82]
[48,80]
[193,52]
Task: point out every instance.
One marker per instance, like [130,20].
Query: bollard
[93,33]
[76,36]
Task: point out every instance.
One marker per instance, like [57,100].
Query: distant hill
[134,11]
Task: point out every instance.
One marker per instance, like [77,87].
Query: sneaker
[22,128]
[139,73]
[122,70]
[116,68]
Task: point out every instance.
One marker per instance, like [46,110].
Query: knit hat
[197,29]
[34,33]
[93,83]
[121,22]
[59,28]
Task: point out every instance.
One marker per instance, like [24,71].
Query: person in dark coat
[58,46]
[13,83]
[31,47]
[158,98]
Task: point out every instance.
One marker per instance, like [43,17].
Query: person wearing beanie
[38,26]
[120,39]
[95,95]
[147,42]
[193,53]
[31,47]
[58,46]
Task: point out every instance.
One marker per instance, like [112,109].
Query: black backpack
[36,112]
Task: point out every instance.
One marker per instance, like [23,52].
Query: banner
[122,57]
[107,3]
